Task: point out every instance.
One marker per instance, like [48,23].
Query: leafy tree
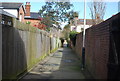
[54,12]
[71,15]
[66,31]
[47,21]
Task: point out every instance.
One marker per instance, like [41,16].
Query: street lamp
[83,48]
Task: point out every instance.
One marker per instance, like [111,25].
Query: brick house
[32,18]
[23,13]
[16,9]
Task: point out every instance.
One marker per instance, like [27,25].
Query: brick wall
[27,8]
[33,21]
[102,55]
[97,49]
[79,43]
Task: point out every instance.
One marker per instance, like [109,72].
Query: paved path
[63,64]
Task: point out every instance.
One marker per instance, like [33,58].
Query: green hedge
[72,36]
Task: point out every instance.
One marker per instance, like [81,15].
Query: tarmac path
[63,64]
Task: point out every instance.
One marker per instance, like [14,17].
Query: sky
[111,7]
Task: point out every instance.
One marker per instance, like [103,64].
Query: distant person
[65,43]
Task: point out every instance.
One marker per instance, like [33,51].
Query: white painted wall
[12,11]
[78,29]
[20,18]
[82,26]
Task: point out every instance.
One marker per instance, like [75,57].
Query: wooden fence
[23,46]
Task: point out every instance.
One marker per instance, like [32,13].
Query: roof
[6,13]
[10,5]
[88,22]
[33,15]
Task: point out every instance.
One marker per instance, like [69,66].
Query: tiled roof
[33,15]
[81,22]
[88,21]
[10,5]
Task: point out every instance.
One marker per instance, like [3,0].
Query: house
[22,12]
[32,18]
[16,9]
[2,12]
[78,25]
[5,17]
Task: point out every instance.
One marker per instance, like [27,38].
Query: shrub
[72,36]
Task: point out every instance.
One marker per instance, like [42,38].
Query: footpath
[63,64]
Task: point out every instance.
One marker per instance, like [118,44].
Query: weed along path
[63,64]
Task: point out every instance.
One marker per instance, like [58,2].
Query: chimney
[27,7]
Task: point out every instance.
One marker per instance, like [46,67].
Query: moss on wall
[28,46]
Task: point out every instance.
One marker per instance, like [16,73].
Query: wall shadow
[14,60]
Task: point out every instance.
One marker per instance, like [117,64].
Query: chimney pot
[27,3]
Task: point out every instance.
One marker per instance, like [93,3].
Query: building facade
[79,25]
[16,9]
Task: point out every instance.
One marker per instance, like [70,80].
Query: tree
[65,32]
[55,11]
[71,15]
[97,10]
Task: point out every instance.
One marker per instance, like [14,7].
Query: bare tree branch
[97,11]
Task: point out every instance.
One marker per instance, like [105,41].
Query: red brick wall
[98,48]
[27,7]
[79,43]
[33,21]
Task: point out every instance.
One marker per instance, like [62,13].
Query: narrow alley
[63,64]
[62,40]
